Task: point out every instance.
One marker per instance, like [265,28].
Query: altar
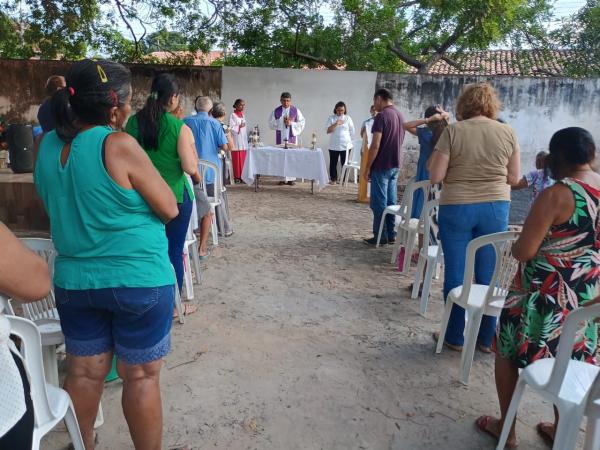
[291,162]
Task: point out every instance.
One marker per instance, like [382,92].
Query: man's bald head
[203,104]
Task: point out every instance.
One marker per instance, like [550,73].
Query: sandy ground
[306,338]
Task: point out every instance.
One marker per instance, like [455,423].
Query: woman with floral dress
[559,252]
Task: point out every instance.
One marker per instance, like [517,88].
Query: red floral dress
[562,277]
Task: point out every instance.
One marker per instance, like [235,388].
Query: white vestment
[239,133]
[279,125]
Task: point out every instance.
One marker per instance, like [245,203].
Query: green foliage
[378,35]
[581,35]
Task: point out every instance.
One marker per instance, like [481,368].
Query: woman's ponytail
[164,87]
[64,118]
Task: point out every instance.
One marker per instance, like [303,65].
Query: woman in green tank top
[170,145]
[113,282]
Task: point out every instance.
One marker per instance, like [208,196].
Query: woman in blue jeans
[170,145]
[477,159]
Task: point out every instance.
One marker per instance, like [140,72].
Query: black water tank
[20,147]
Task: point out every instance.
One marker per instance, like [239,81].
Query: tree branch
[410,3]
[121,9]
[322,61]
[405,57]
[452,63]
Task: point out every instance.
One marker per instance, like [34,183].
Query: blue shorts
[135,323]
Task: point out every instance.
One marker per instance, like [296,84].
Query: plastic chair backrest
[593,400]
[31,350]
[409,192]
[505,267]
[428,217]
[44,308]
[355,153]
[205,166]
[570,327]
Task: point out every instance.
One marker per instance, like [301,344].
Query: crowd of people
[477,160]
[120,239]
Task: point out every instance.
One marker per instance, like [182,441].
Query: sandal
[546,430]
[484,349]
[482,424]
[188,309]
[455,348]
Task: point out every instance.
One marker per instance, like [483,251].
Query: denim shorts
[135,323]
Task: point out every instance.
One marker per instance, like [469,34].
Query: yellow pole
[363,196]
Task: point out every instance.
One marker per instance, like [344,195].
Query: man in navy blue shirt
[383,165]
[210,140]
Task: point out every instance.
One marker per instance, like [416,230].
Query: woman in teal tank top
[113,281]
[170,145]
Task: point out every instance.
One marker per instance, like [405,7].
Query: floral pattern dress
[562,277]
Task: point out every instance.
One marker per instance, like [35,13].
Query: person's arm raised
[129,166]
[186,149]
[23,274]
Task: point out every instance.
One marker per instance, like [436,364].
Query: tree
[73,29]
[581,35]
[385,35]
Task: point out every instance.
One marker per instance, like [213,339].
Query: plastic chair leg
[196,258]
[179,306]
[355,175]
[99,417]
[427,286]
[381,228]
[567,431]
[592,434]
[468,351]
[50,364]
[417,283]
[214,229]
[410,245]
[187,276]
[73,428]
[444,325]
[511,413]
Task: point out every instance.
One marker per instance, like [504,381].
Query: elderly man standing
[210,140]
[384,163]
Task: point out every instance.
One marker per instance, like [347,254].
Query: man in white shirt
[288,123]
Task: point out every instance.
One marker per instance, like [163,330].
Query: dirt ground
[306,338]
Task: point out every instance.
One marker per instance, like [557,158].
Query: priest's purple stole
[294,116]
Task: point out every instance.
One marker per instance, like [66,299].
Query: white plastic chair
[592,411]
[430,255]
[407,228]
[352,163]
[50,403]
[44,313]
[479,299]
[562,381]
[190,254]
[214,200]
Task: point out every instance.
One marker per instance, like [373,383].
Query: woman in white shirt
[340,129]
[237,123]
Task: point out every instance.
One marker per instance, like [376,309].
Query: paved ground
[307,339]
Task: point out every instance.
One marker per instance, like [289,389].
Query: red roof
[524,63]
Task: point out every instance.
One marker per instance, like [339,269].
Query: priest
[288,123]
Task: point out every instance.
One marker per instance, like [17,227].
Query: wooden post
[363,196]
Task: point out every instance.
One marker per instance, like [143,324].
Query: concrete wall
[23,82]
[314,92]
[535,107]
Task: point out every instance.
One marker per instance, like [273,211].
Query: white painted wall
[535,107]
[314,92]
